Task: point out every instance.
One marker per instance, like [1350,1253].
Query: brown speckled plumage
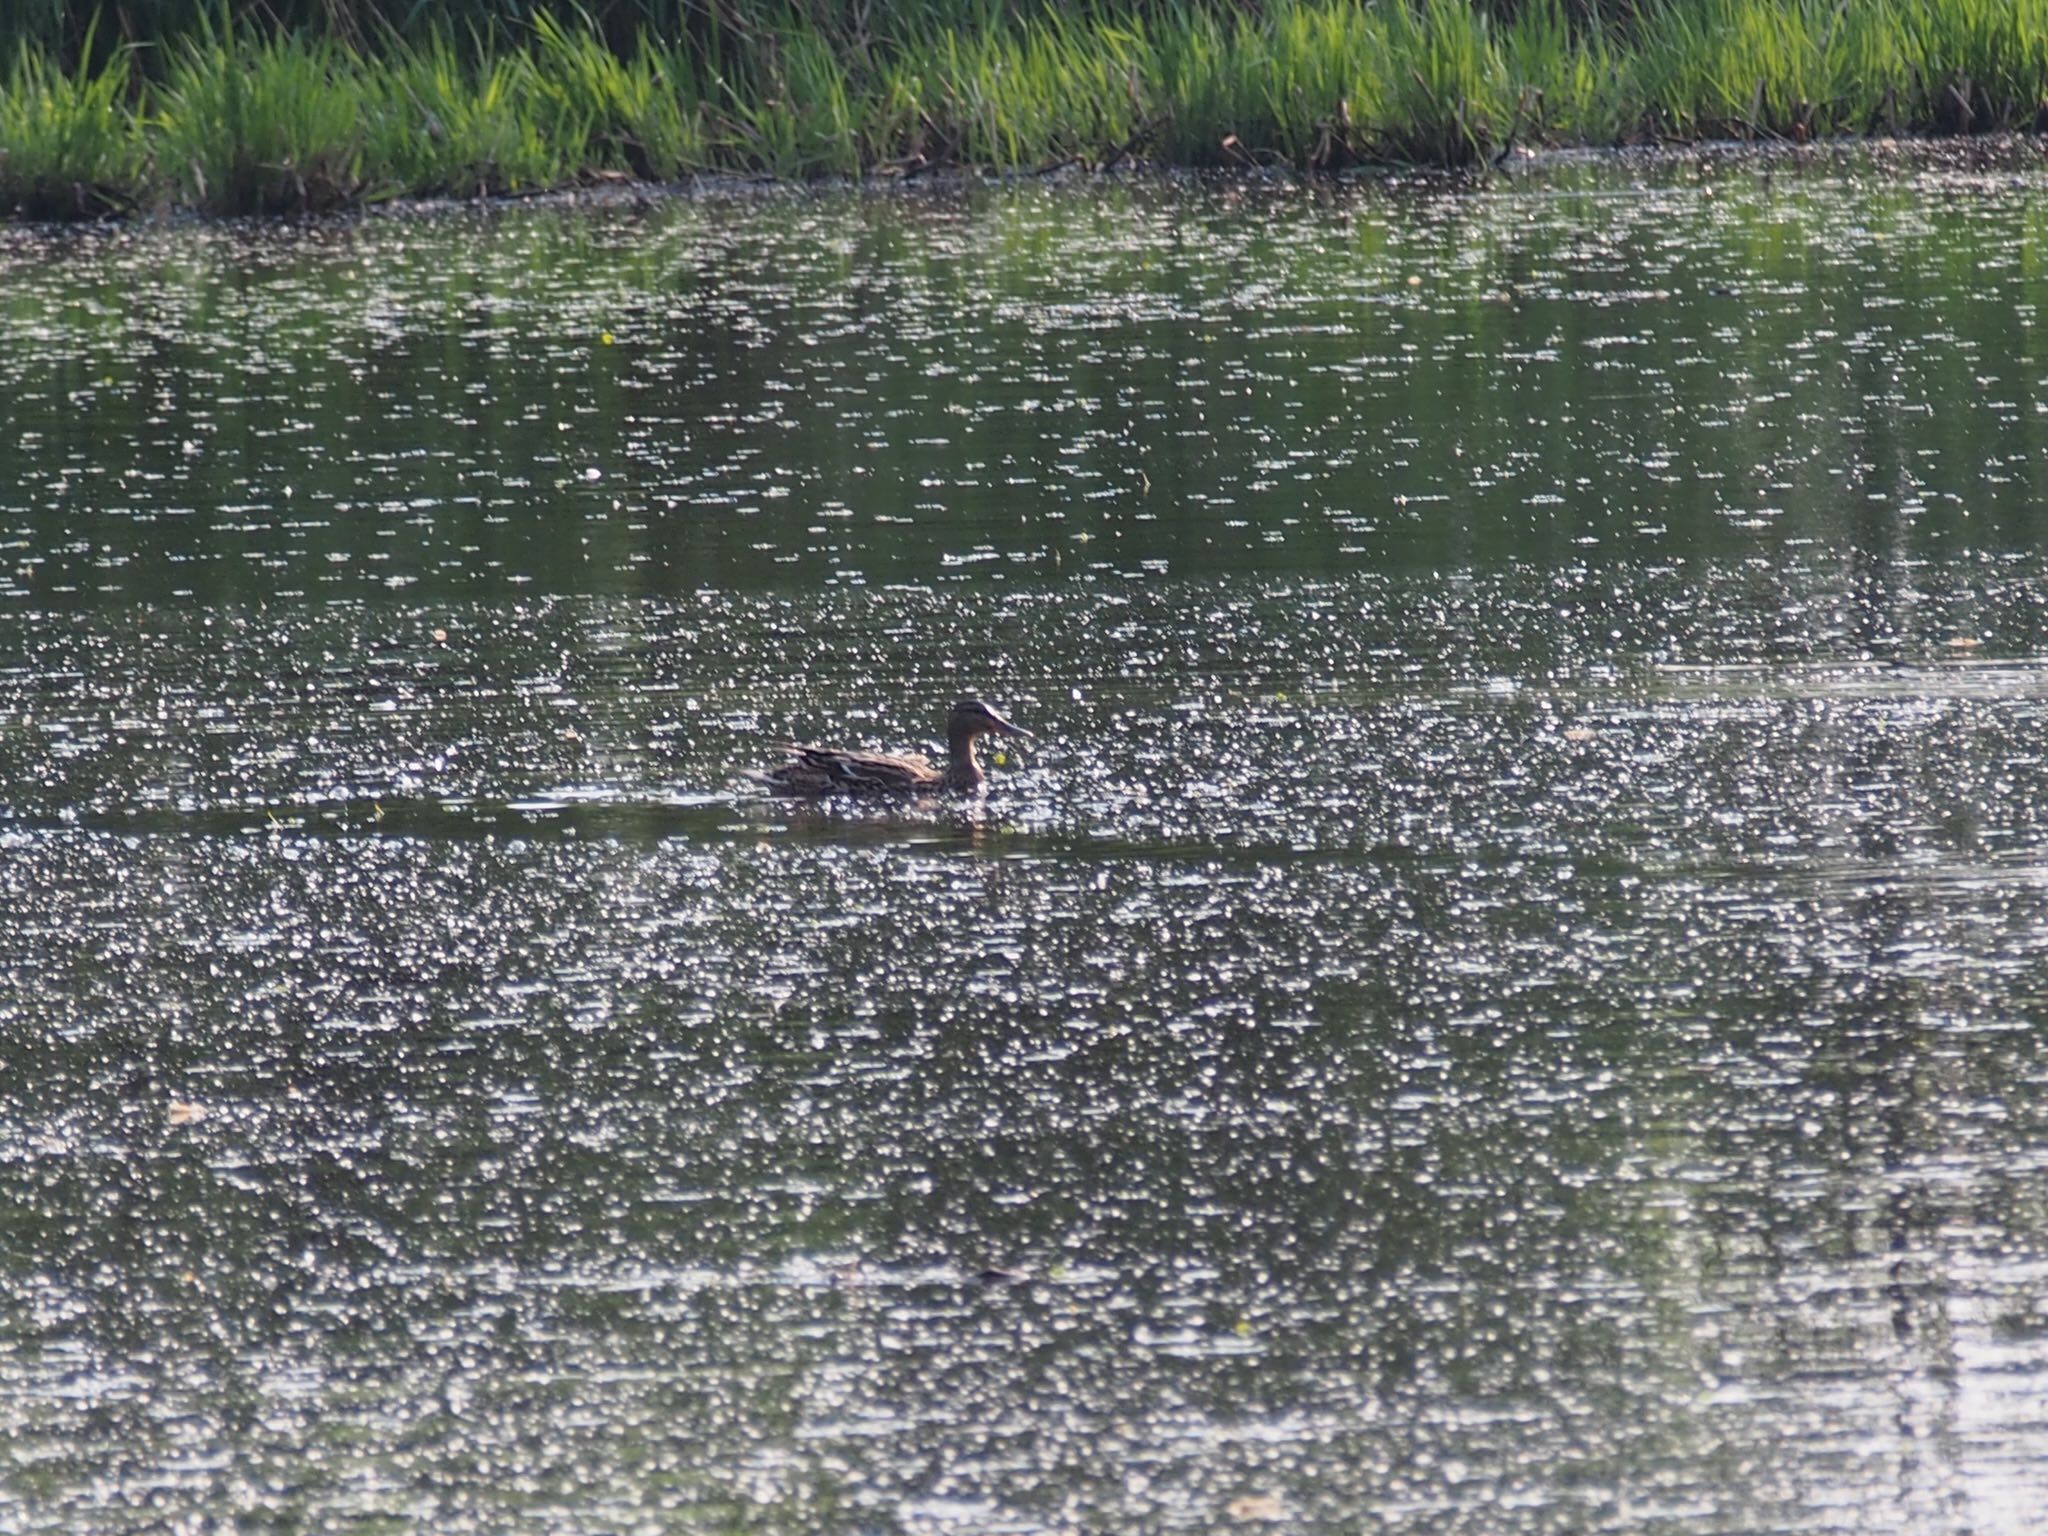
[840,770]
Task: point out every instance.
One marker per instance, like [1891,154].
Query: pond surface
[1511,998]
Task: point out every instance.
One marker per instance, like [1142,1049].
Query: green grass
[439,126]
[641,112]
[70,145]
[331,103]
[249,123]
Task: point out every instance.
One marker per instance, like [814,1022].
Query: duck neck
[963,770]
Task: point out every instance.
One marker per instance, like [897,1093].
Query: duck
[841,770]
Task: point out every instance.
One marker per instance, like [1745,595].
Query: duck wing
[834,770]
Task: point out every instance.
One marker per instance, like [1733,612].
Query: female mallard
[836,770]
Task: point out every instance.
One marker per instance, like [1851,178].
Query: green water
[1508,999]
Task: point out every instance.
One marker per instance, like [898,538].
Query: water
[1509,998]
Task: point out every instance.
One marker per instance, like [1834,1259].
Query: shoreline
[1988,154]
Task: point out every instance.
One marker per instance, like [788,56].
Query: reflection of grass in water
[236,118]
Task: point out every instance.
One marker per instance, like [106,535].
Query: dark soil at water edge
[339,106]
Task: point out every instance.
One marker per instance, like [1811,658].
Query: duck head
[971,718]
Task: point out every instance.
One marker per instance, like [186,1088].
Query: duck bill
[1005,728]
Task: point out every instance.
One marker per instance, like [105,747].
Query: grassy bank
[236,118]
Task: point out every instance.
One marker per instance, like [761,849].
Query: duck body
[811,770]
